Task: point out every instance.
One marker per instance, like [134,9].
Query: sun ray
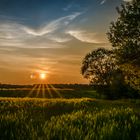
[38,90]
[43,90]
[32,90]
[49,91]
[56,91]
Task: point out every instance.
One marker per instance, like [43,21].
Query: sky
[51,37]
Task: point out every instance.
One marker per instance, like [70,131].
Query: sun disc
[42,76]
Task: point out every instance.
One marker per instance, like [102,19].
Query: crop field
[49,91]
[66,117]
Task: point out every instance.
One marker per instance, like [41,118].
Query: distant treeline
[80,86]
[14,86]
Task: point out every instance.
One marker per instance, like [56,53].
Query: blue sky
[51,36]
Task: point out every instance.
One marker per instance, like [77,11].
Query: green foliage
[124,36]
[99,66]
[77,119]
[132,75]
[101,69]
[125,32]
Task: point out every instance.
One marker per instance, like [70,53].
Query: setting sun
[42,76]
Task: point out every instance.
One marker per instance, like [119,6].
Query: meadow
[49,91]
[46,115]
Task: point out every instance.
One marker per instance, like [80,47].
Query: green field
[60,118]
[50,91]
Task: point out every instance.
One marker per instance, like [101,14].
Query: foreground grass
[76,119]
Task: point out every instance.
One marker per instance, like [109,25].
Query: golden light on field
[44,91]
[42,76]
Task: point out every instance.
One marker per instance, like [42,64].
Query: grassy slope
[85,118]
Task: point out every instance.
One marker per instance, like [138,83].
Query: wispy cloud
[52,26]
[18,35]
[72,5]
[84,36]
[12,34]
[127,0]
[68,7]
[102,2]
[60,39]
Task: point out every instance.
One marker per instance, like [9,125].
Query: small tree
[124,36]
[99,66]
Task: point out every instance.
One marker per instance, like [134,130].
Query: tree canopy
[121,65]
[98,66]
[124,36]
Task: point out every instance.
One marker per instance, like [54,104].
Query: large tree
[98,66]
[124,36]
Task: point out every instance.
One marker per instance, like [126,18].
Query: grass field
[50,91]
[76,118]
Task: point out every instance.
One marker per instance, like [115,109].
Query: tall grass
[68,119]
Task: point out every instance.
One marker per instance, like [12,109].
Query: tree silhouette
[99,66]
[124,36]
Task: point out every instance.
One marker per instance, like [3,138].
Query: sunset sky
[52,37]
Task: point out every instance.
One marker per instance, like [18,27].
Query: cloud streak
[127,0]
[84,36]
[49,35]
[104,1]
[52,26]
